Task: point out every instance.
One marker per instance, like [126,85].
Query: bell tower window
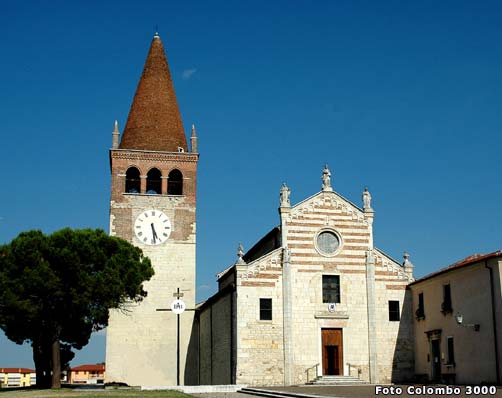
[175,183]
[153,182]
[133,182]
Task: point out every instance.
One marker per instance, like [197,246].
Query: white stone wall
[394,339]
[310,315]
[141,344]
[260,357]
[260,344]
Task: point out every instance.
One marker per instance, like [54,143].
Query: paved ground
[366,391]
[225,395]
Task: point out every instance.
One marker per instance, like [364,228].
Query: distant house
[17,377]
[458,321]
[87,374]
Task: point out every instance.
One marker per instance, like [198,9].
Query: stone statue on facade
[326,179]
[286,255]
[284,196]
[240,254]
[408,265]
[407,262]
[366,199]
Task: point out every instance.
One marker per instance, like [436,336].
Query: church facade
[313,297]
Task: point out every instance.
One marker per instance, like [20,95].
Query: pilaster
[287,296]
[287,316]
[369,214]
[372,326]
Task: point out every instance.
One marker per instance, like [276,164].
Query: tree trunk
[42,364]
[56,364]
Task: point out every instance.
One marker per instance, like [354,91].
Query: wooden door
[332,351]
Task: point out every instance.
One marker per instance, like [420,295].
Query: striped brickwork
[261,357]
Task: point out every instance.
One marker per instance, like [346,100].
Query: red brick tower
[153,203]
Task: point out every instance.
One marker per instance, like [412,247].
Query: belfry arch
[133,181]
[175,183]
[154,182]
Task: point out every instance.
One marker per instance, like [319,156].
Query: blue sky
[402,96]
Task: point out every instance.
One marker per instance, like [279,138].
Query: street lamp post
[460,319]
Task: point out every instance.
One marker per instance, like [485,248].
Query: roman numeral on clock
[149,224]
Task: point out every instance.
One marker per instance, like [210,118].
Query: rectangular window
[451,353]
[420,312]
[393,310]
[446,307]
[265,309]
[330,288]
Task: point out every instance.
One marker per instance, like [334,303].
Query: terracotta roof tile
[472,259]
[89,368]
[17,370]
[154,121]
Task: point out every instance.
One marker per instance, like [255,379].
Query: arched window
[153,182]
[175,183]
[133,182]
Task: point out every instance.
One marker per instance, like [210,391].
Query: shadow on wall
[403,367]
[497,320]
[214,340]
[191,376]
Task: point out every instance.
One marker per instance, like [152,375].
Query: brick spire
[154,121]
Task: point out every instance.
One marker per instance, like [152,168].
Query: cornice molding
[183,157]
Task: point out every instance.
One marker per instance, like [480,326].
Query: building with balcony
[87,374]
[17,377]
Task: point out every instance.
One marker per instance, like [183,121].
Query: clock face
[152,227]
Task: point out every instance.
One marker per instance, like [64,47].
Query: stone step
[275,394]
[337,380]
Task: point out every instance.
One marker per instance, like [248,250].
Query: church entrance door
[332,352]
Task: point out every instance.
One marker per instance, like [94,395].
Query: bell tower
[153,203]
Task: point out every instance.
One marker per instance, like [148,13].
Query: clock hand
[154,234]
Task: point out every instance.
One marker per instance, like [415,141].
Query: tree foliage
[55,290]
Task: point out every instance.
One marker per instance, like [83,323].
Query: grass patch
[71,393]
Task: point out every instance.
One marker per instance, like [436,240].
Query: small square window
[330,288]
[394,311]
[265,309]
